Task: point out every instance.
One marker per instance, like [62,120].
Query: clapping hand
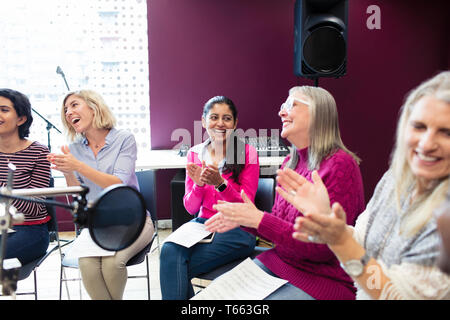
[319,223]
[194,172]
[302,194]
[65,162]
[211,175]
[231,215]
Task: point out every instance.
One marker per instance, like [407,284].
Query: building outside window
[97,44]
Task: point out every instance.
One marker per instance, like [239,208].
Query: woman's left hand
[239,213]
[320,228]
[211,175]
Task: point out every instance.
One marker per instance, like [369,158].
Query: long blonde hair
[103,117]
[423,206]
[324,135]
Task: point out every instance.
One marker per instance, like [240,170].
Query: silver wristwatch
[355,267]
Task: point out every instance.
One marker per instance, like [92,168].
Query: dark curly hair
[22,106]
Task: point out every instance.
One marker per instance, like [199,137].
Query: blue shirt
[116,157]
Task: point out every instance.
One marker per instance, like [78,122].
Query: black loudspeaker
[179,213]
[320,38]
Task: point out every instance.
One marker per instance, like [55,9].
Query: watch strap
[365,258]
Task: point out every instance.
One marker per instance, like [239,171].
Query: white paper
[84,246]
[188,234]
[246,281]
[11,263]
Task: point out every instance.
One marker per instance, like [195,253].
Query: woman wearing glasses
[310,122]
[392,251]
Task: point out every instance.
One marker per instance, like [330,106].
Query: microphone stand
[49,124]
[59,71]
[8,277]
[49,127]
[7,284]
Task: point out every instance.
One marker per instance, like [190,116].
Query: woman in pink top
[218,169]
[310,122]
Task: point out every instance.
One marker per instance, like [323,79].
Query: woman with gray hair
[99,156]
[392,251]
[310,122]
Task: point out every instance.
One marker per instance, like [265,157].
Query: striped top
[32,171]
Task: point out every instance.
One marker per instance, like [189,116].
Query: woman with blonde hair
[98,157]
[392,251]
[310,123]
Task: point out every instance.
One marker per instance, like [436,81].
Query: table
[169,159]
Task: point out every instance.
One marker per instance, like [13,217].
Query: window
[98,44]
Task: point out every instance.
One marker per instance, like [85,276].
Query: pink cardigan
[201,199]
[313,267]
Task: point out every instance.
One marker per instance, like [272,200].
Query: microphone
[59,71]
[115,218]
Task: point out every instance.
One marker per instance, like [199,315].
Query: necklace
[99,145]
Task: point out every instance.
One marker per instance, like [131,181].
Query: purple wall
[244,49]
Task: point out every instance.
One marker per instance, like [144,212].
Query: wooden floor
[48,275]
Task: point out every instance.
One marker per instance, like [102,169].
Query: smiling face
[295,118]
[427,138]
[78,114]
[9,120]
[219,122]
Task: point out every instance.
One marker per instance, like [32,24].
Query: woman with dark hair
[30,238]
[218,169]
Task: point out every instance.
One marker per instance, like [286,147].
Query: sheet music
[84,246]
[188,234]
[246,281]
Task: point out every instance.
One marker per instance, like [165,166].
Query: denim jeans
[178,264]
[285,292]
[27,242]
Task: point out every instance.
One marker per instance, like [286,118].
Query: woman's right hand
[64,162]
[194,172]
[218,223]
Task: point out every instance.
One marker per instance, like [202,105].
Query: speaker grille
[324,50]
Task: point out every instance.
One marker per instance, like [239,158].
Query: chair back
[265,194]
[146,180]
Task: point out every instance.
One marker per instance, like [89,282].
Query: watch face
[221,187]
[354,268]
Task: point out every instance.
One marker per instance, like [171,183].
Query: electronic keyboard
[268,146]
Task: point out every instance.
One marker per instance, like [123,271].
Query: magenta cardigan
[201,199]
[313,267]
